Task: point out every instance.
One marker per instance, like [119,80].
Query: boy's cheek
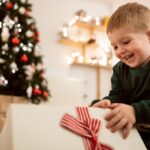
[117,55]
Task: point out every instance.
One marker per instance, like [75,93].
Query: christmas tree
[21,68]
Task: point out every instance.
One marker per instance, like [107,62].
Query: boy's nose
[121,50]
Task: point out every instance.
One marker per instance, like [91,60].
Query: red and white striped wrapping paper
[86,127]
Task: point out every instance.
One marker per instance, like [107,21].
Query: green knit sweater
[132,86]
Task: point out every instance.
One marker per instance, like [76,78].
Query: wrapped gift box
[5,101]
[37,127]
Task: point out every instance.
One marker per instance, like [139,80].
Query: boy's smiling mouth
[128,56]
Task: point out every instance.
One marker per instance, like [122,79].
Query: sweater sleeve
[116,92]
[142,111]
[94,102]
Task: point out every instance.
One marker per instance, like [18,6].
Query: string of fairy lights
[88,30]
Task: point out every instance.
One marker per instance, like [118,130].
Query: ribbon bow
[86,127]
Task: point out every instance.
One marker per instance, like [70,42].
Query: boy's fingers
[103,104]
[114,105]
[97,104]
[90,105]
[107,104]
[126,130]
[119,125]
[111,114]
[114,121]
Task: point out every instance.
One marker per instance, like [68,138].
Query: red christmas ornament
[38,40]
[27,13]
[37,91]
[24,58]
[16,32]
[45,94]
[33,26]
[15,41]
[9,5]
[37,33]
[33,36]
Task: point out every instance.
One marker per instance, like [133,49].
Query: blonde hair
[133,14]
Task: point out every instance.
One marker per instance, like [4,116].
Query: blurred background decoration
[88,34]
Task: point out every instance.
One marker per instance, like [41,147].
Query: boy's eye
[115,47]
[126,42]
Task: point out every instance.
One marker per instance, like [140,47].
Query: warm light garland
[75,33]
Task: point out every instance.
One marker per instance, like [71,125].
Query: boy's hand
[105,103]
[122,117]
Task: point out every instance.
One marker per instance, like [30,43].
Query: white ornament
[21,44]
[16,6]
[2,61]
[16,19]
[16,49]
[39,66]
[22,10]
[3,81]
[43,75]
[19,29]
[29,33]
[37,86]
[29,49]
[29,70]
[5,34]
[13,66]
[8,22]
[29,21]
[3,53]
[29,91]
[24,48]
[18,25]
[4,1]
[30,45]
[23,1]
[44,83]
[1,25]
[5,47]
[37,51]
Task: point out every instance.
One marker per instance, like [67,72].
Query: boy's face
[131,46]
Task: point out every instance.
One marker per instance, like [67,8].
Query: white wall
[121,2]
[50,15]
